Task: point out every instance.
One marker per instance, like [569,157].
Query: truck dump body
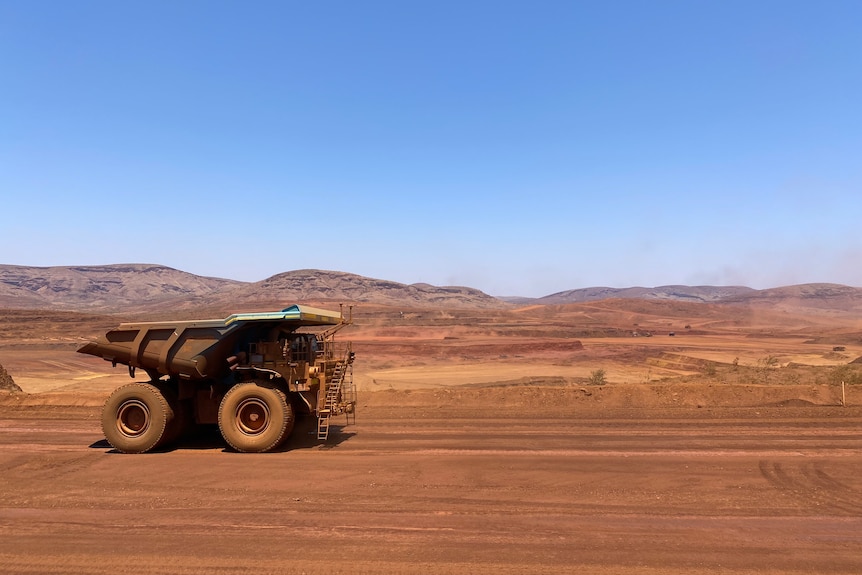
[197,350]
[286,357]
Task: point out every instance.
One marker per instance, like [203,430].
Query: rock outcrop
[6,381]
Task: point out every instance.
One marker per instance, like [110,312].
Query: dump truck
[251,374]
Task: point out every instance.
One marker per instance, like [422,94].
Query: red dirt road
[685,490]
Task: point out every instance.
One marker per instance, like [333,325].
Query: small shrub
[849,374]
[765,365]
[597,377]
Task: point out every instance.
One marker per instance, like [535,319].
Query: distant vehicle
[249,373]
[672,334]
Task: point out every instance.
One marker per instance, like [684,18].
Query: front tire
[136,418]
[255,417]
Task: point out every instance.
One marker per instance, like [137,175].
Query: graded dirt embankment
[527,400]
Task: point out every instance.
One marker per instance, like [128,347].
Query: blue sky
[522,148]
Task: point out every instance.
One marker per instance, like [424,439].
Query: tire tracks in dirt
[809,483]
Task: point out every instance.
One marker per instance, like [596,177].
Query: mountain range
[121,287]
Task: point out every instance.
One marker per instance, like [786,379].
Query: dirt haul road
[445,491]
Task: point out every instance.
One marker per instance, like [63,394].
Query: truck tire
[255,417]
[136,417]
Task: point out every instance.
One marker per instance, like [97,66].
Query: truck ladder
[341,381]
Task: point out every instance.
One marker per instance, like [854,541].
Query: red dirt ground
[478,448]
[437,482]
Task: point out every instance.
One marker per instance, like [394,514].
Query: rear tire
[255,417]
[136,418]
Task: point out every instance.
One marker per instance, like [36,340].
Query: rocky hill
[819,299]
[322,286]
[822,298]
[136,287]
[123,288]
[109,287]
[671,292]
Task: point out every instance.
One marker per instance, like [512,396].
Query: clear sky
[521,148]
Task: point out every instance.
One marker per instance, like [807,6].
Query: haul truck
[250,373]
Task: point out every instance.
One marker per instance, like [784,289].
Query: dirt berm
[557,400]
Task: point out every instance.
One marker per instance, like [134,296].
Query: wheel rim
[252,416]
[133,418]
